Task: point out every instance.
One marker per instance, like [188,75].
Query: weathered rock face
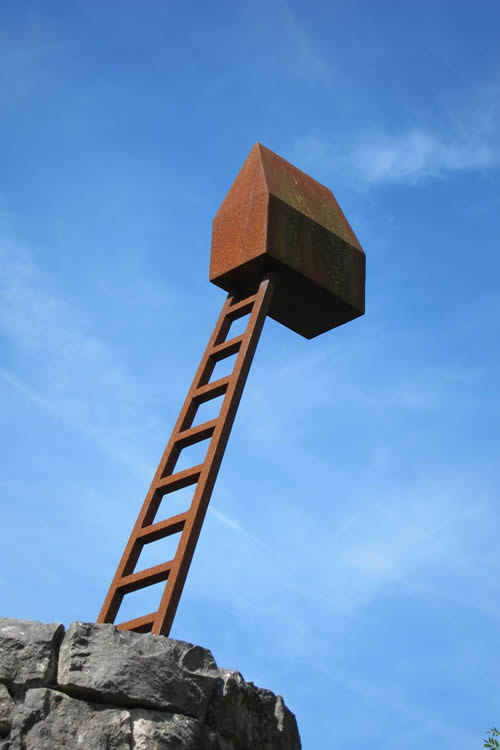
[6,710]
[28,652]
[130,669]
[50,719]
[95,687]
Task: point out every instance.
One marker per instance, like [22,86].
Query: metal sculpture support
[187,432]
[280,246]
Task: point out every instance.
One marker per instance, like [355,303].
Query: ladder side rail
[151,502]
[206,482]
[231,310]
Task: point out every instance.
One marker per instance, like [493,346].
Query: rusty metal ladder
[166,480]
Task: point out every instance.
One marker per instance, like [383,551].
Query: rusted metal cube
[277,218]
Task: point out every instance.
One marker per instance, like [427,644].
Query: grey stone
[6,708]
[251,717]
[132,669]
[50,720]
[28,652]
[166,694]
[288,731]
[167,731]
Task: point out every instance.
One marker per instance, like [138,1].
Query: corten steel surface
[283,234]
[186,432]
[276,217]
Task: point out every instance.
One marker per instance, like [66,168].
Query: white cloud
[466,140]
[419,154]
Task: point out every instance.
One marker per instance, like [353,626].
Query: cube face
[276,218]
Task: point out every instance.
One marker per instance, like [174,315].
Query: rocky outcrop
[28,653]
[97,687]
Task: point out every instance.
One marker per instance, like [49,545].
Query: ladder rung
[211,390]
[146,577]
[196,434]
[226,348]
[160,530]
[179,480]
[243,306]
[139,624]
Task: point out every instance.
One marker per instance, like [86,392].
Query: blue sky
[349,557]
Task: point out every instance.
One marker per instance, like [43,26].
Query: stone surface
[103,663]
[6,708]
[288,731]
[112,690]
[28,652]
[174,732]
[49,720]
[252,717]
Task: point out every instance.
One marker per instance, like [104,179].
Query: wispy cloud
[355,550]
[60,362]
[466,140]
[301,51]
[418,154]
[392,700]
[409,157]
[24,51]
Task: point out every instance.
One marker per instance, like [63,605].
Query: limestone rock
[119,690]
[252,717]
[6,708]
[28,652]
[167,731]
[288,731]
[49,720]
[132,669]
